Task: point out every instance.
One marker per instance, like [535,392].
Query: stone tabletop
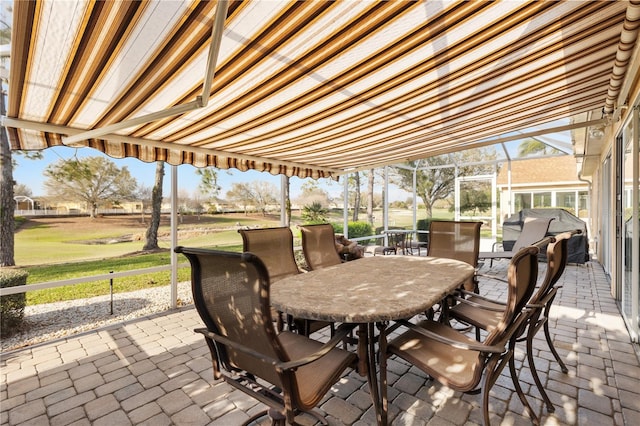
[371,289]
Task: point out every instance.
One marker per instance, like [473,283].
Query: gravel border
[46,322]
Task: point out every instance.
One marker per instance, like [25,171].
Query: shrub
[12,306]
[19,221]
[356,229]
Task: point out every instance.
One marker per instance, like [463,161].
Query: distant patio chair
[456,240]
[319,245]
[319,248]
[533,230]
[274,247]
[285,371]
[399,240]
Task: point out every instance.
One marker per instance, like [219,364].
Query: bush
[356,229]
[19,221]
[12,306]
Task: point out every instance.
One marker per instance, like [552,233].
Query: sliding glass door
[629,206]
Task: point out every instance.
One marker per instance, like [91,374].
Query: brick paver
[156,371]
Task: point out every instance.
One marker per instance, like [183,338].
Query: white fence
[78,212]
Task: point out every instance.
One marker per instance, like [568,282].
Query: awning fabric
[305,88]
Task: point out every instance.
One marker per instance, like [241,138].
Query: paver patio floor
[157,371]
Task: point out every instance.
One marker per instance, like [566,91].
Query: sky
[30,173]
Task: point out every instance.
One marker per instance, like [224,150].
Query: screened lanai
[477,169]
[321,89]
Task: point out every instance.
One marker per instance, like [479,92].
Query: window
[583,204]
[522,201]
[541,199]
[566,200]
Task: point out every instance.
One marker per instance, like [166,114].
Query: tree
[92,180]
[22,189]
[209,183]
[144,194]
[370,186]
[314,213]
[258,194]
[435,176]
[151,236]
[7,203]
[241,195]
[354,182]
[287,200]
[311,192]
[474,199]
[533,146]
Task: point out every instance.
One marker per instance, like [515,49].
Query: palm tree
[314,213]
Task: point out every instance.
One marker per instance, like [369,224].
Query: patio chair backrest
[231,294]
[522,275]
[556,262]
[274,246]
[456,240]
[319,245]
[533,230]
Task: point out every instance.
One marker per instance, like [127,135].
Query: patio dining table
[371,292]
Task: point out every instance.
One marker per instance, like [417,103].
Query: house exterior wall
[543,182]
[617,221]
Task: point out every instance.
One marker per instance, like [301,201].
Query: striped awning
[304,88]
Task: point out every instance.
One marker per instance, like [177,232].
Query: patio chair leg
[547,335]
[485,406]
[516,383]
[534,370]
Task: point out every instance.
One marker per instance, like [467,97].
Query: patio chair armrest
[237,346]
[477,296]
[453,343]
[543,242]
[341,332]
[547,298]
[496,244]
[480,305]
[492,277]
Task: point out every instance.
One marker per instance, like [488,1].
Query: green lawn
[55,251]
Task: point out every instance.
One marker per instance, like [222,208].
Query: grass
[52,252]
[59,242]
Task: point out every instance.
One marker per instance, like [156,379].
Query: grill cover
[578,245]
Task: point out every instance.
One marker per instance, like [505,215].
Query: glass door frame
[629,291]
